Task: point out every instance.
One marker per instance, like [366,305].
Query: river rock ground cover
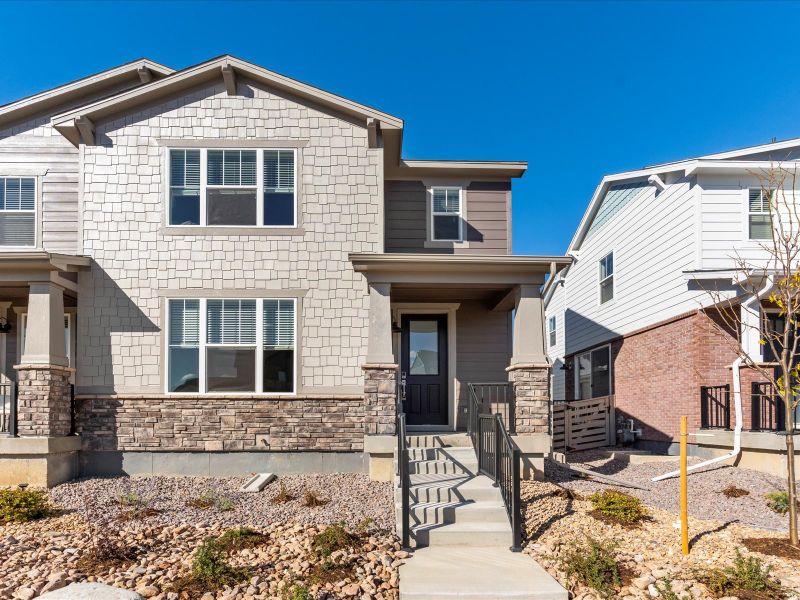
[557,516]
[142,533]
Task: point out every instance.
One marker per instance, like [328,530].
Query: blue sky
[576,89]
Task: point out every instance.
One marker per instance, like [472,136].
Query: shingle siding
[135,262]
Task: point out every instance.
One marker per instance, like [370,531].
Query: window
[184,187]
[279,205]
[446,214]
[551,330]
[231,346]
[232,188]
[607,278]
[759,218]
[593,374]
[17,212]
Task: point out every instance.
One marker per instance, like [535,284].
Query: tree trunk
[792,489]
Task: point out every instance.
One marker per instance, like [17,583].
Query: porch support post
[529,374]
[379,346]
[380,385]
[44,390]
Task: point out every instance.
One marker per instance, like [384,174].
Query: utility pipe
[737,404]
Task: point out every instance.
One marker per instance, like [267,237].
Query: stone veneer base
[219,464]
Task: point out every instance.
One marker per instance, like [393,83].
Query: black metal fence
[495,398]
[403,466]
[498,459]
[8,409]
[767,409]
[715,407]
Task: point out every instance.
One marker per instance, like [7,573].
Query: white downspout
[737,405]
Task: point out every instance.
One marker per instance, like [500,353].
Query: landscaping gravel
[706,500]
[351,498]
[649,554]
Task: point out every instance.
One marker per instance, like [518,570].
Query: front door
[424,366]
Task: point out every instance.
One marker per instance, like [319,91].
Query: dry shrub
[734,492]
[594,565]
[335,537]
[747,578]
[107,553]
[311,499]
[283,496]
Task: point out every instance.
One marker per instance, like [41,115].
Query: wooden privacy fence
[584,424]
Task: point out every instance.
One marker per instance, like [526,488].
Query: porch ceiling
[488,295]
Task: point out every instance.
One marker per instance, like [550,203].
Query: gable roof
[720,160]
[217,68]
[136,71]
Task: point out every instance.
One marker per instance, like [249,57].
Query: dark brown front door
[424,365]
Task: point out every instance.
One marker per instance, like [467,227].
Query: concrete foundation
[39,461]
[379,451]
[219,464]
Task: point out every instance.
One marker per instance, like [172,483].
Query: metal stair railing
[403,466]
[499,459]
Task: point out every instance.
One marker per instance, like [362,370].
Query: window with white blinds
[231,345]
[759,217]
[17,212]
[446,217]
[232,187]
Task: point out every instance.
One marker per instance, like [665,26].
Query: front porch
[38,312]
[443,325]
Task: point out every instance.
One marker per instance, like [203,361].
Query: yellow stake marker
[684,492]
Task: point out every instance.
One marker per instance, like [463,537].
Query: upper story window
[446,214]
[759,217]
[231,346]
[227,187]
[606,275]
[551,331]
[17,212]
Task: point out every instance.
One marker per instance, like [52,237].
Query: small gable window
[759,217]
[607,278]
[446,214]
[551,331]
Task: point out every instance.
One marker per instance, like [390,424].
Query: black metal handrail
[8,409]
[495,398]
[499,459]
[403,466]
[715,407]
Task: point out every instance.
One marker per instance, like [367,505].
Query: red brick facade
[656,373]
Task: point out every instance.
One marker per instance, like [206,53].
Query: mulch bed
[779,547]
[614,521]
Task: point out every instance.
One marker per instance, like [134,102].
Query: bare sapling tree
[769,276]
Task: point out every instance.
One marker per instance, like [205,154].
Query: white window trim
[552,331]
[460,214]
[576,363]
[259,349]
[612,277]
[204,187]
[37,213]
[747,213]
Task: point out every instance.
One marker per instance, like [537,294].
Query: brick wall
[220,423]
[657,373]
[137,262]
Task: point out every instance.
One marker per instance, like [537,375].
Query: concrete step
[450,488]
[439,440]
[463,534]
[435,467]
[476,574]
[438,513]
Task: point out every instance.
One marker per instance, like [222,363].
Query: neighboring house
[228,267]
[624,319]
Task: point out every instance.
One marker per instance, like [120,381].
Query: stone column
[529,374]
[43,407]
[380,397]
